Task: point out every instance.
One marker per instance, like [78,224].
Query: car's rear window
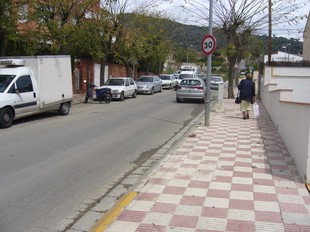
[145,79]
[166,77]
[190,82]
[115,82]
[216,79]
[183,76]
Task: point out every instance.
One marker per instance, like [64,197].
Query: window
[24,84]
[22,12]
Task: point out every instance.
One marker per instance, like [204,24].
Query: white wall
[286,97]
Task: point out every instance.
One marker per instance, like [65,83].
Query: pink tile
[287,190]
[242,174]
[214,212]
[163,208]
[241,204]
[192,200]
[263,182]
[165,169]
[132,216]
[264,216]
[147,196]
[261,170]
[296,228]
[293,208]
[150,228]
[242,187]
[265,197]
[225,179]
[174,190]
[218,193]
[238,225]
[307,200]
[184,221]
[198,184]
[160,181]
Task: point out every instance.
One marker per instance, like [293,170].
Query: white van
[32,85]
[186,74]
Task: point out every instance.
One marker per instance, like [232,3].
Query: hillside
[190,35]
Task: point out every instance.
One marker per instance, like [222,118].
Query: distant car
[215,81]
[191,88]
[122,87]
[186,74]
[168,81]
[149,84]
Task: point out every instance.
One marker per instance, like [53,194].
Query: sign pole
[209,66]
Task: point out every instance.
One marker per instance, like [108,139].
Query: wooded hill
[191,36]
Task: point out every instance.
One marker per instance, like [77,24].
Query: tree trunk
[102,71]
[231,80]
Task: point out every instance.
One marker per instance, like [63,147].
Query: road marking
[113,213]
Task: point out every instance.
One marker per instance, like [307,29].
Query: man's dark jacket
[247,90]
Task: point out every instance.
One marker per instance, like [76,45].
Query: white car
[168,81]
[215,81]
[122,87]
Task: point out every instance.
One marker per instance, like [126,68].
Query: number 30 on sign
[208,44]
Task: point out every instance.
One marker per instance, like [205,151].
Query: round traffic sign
[208,44]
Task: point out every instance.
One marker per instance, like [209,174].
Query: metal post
[208,92]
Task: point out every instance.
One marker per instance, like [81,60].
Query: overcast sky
[289,31]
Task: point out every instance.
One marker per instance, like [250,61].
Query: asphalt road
[52,166]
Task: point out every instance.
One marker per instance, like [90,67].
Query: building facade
[306,37]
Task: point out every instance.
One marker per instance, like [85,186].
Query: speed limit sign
[208,44]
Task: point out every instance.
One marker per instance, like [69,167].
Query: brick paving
[235,175]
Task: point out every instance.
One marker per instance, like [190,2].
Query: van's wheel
[178,100]
[64,108]
[122,97]
[6,118]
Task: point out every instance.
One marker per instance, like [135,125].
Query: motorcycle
[102,94]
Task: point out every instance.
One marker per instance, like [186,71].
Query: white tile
[217,224]
[266,206]
[264,176]
[242,180]
[241,195]
[118,226]
[140,205]
[284,198]
[296,218]
[162,219]
[269,227]
[188,210]
[238,214]
[169,198]
[199,192]
[152,188]
[179,183]
[220,185]
[264,189]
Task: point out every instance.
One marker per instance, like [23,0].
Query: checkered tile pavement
[235,175]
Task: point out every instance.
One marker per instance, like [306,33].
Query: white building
[283,56]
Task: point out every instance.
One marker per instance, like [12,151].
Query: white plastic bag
[255,109]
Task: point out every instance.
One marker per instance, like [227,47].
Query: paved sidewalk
[235,175]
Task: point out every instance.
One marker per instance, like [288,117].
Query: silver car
[191,88]
[149,84]
[215,81]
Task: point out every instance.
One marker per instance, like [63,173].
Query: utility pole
[208,93]
[270,33]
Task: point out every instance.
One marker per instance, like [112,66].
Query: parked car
[186,74]
[122,87]
[191,88]
[168,81]
[149,84]
[215,81]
